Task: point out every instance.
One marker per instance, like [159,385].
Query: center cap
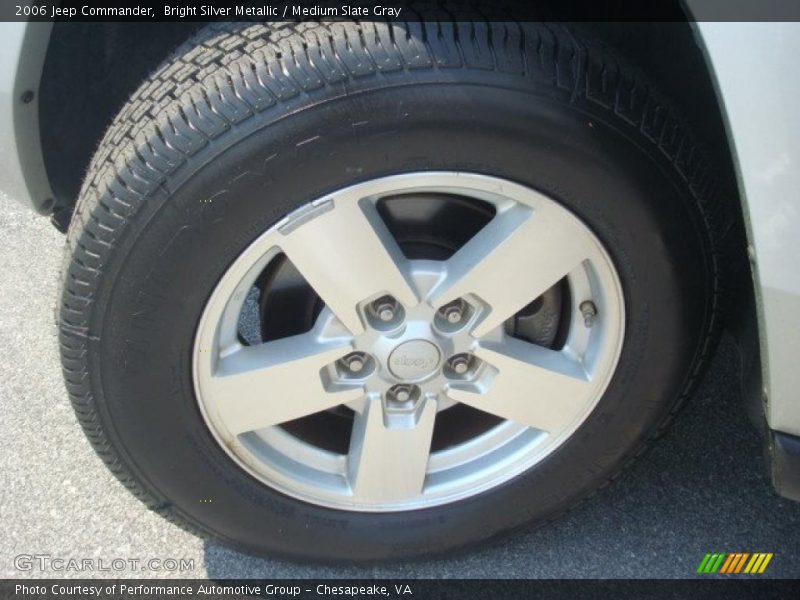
[414,360]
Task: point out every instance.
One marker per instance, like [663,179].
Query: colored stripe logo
[732,563]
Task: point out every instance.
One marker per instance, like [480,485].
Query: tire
[247,123]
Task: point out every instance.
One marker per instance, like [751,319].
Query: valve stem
[589,312]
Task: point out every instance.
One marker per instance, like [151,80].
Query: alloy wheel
[395,343]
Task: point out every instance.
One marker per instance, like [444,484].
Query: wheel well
[90,70]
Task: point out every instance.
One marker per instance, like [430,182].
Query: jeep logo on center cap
[414,360]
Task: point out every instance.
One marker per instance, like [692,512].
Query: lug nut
[401,394]
[589,312]
[453,314]
[384,310]
[385,307]
[353,363]
[460,364]
[454,311]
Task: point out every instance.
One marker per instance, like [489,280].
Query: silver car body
[754,67]
[22,173]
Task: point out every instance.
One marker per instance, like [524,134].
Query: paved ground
[701,489]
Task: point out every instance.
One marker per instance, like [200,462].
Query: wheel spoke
[388,464]
[513,260]
[533,386]
[348,255]
[276,382]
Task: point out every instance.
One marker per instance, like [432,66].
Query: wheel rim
[401,341]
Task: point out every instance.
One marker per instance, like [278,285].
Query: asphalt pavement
[702,488]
